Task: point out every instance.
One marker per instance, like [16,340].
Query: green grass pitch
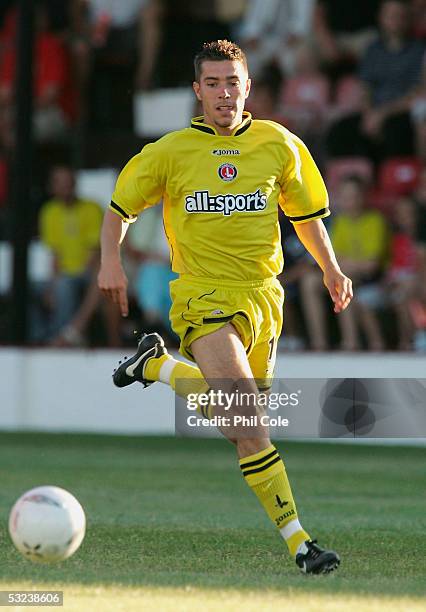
[172,525]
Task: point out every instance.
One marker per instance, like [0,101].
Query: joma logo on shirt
[226,152]
[203,202]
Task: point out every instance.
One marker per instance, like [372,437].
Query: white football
[47,524]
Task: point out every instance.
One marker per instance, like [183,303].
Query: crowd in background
[348,78]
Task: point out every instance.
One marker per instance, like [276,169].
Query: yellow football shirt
[221,195]
[71,232]
[362,238]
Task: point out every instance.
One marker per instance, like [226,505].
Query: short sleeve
[140,184]
[303,194]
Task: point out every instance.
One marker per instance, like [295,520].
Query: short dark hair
[218,51]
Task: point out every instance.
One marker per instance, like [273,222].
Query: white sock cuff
[166,370]
[290,529]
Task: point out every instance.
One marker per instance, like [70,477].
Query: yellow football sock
[182,377]
[265,474]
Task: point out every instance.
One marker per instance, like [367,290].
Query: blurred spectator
[418,17]
[112,47]
[349,98]
[313,301]
[417,304]
[297,264]
[391,72]
[272,29]
[182,27]
[306,95]
[263,102]
[361,242]
[147,247]
[403,273]
[418,117]
[419,197]
[418,313]
[344,35]
[70,228]
[53,103]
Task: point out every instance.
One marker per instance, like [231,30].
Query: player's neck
[223,130]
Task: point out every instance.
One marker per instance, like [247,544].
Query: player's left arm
[316,240]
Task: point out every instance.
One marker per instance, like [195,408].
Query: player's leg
[222,356]
[278,495]
[152,363]
[309,556]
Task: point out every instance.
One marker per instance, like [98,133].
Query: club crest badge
[227,172]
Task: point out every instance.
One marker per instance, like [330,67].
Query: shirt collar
[198,124]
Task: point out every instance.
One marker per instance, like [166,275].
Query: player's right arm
[112,280]
[139,185]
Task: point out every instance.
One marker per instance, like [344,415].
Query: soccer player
[221,181]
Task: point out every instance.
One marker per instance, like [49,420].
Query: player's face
[222,91]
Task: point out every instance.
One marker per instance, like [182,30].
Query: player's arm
[139,185]
[315,238]
[112,280]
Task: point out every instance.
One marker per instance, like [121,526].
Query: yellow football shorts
[200,306]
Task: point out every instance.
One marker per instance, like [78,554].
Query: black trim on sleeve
[120,210]
[323,211]
[218,319]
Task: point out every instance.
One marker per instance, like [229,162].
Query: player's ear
[196,88]
[248,87]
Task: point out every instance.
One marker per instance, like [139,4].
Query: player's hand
[112,282]
[340,288]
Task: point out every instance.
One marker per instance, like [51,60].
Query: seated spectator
[418,117]
[53,103]
[313,301]
[70,228]
[391,71]
[418,314]
[271,30]
[303,284]
[402,277]
[112,45]
[360,239]
[344,35]
[181,27]
[297,264]
[306,95]
[417,304]
[419,197]
[147,247]
[418,18]
[263,103]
